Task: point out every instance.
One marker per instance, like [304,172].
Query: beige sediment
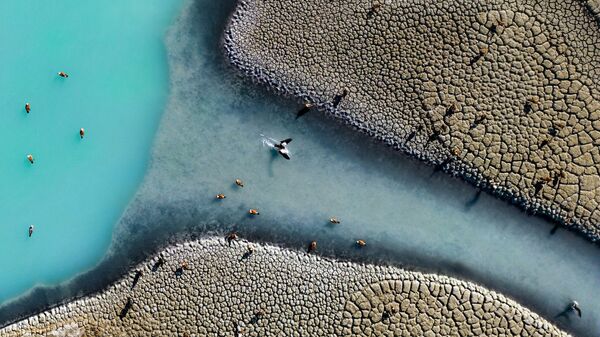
[278,292]
[505,94]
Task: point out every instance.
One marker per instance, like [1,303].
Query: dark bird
[282,148]
[30,230]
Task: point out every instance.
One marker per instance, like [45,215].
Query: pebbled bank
[210,288]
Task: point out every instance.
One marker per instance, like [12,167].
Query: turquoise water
[77,189]
[409,215]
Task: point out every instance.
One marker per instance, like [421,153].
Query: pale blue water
[77,189]
[209,135]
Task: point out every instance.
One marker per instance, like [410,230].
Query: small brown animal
[81,132]
[253,211]
[221,196]
[30,158]
[305,109]
[239,182]
[27,107]
[361,243]
[63,74]
[312,246]
[334,220]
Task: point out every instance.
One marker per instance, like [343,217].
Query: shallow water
[408,214]
[77,189]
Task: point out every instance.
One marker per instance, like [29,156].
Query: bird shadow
[246,256]
[157,264]
[469,204]
[566,313]
[136,279]
[126,308]
[272,162]
[554,229]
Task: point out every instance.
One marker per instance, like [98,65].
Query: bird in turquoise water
[31,230]
[81,132]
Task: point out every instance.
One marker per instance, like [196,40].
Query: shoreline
[242,57]
[342,262]
[265,274]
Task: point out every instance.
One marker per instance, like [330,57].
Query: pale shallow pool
[77,189]
[210,135]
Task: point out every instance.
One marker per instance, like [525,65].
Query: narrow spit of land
[504,93]
[259,290]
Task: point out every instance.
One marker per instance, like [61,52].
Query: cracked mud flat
[296,293]
[278,292]
[504,94]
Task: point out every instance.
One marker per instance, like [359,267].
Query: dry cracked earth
[277,292]
[505,94]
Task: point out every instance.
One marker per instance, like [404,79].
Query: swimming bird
[239,182]
[361,243]
[282,148]
[63,74]
[253,211]
[221,196]
[574,306]
[305,109]
[30,158]
[27,107]
[334,220]
[81,132]
[31,230]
